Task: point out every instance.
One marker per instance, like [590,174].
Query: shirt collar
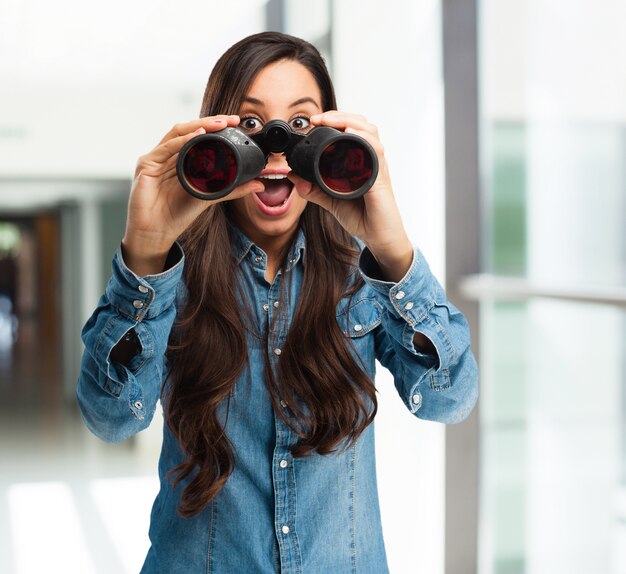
[242,245]
[297,250]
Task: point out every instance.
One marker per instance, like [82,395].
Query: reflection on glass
[507,206]
[553,422]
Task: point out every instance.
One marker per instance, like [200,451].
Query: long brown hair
[331,399]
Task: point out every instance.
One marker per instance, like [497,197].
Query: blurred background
[504,123]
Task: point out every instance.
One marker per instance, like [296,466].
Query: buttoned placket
[285,500]
[283,471]
[282,461]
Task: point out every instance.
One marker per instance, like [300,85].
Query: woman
[257,319]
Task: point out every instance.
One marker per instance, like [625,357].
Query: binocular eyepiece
[211,165]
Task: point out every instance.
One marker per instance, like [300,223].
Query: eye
[250,124]
[300,124]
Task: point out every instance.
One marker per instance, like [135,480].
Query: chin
[259,223]
[277,228]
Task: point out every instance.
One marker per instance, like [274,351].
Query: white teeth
[274,176]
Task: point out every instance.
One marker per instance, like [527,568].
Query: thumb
[310,191]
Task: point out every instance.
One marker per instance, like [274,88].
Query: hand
[159,209]
[374,218]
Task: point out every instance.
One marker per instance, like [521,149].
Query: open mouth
[275,198]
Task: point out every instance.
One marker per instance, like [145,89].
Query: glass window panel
[553,429]
[553,402]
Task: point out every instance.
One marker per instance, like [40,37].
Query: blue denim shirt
[312,515]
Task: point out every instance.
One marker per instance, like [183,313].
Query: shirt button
[258,258]
[276,303]
[266,307]
[283,404]
[283,464]
[138,405]
[409,306]
[416,398]
[277,351]
[137,304]
[143,289]
[358,328]
[400,295]
[285,529]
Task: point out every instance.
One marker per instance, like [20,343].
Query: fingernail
[316,117]
[199,131]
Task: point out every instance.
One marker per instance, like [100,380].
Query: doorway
[30,312]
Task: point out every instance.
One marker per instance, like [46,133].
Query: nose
[276,158]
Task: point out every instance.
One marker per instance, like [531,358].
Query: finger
[209,123]
[369,137]
[163,170]
[252,186]
[170,145]
[167,149]
[342,120]
[310,192]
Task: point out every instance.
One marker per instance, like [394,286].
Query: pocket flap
[358,317]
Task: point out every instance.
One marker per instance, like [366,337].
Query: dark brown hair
[331,399]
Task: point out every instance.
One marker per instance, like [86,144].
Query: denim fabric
[313,515]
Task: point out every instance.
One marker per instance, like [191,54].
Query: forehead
[284,82]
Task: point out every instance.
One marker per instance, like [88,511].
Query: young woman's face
[287,91]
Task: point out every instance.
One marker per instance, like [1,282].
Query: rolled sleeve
[140,298]
[117,400]
[443,386]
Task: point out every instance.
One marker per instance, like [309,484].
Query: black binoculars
[211,165]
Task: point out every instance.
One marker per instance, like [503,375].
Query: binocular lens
[210,166]
[345,166]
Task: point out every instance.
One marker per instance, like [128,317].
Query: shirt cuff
[146,297]
[410,300]
[413,296]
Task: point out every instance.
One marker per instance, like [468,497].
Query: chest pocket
[358,317]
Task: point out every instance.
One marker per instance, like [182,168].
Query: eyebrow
[298,102]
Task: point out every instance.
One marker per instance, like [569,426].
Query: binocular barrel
[343,165]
